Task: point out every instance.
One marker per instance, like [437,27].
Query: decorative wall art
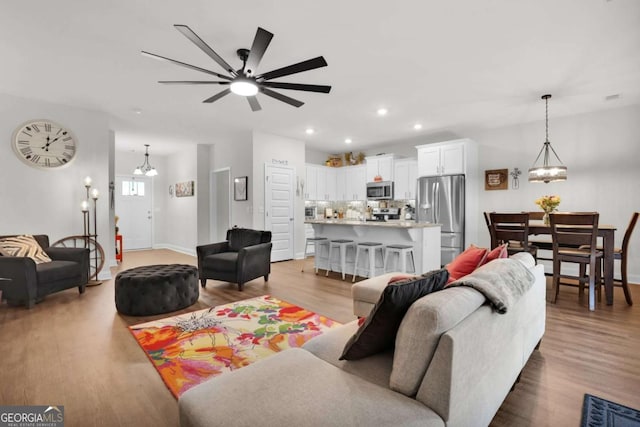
[240,188]
[496,179]
[184,189]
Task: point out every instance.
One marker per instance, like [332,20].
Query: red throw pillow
[498,252]
[466,262]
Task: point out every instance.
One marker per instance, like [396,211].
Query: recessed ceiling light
[382,111]
[137,111]
[309,131]
[417,126]
[347,141]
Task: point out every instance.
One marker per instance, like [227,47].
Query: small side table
[119,247]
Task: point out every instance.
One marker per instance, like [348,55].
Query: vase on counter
[545,218]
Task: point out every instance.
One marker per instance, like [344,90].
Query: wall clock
[44,144]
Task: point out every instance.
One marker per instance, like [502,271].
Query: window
[132,188]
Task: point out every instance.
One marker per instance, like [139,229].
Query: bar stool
[315,242]
[402,251]
[342,245]
[370,249]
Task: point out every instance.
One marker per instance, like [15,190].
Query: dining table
[606,232]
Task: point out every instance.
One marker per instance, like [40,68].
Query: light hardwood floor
[75,350]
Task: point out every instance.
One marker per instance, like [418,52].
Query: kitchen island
[424,237]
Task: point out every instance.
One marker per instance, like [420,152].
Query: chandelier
[146,168]
[547,172]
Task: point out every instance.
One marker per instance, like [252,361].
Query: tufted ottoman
[156,289]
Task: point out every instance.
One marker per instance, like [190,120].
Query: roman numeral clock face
[44,144]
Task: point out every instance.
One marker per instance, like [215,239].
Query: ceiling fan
[245,81]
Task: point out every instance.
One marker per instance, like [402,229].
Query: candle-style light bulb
[85,206]
[94,194]
[87,181]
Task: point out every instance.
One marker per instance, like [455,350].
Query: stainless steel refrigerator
[441,200]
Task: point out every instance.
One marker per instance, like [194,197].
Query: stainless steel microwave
[381,190]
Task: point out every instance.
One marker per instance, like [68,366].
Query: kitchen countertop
[388,224]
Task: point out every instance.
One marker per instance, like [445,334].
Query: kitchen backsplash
[355,209]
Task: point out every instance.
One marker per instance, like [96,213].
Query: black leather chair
[245,255]
[28,282]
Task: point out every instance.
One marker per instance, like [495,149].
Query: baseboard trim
[175,248]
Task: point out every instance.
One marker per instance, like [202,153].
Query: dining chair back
[487,221]
[621,254]
[574,237]
[511,228]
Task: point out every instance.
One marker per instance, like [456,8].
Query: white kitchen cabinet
[352,184]
[331,183]
[447,158]
[405,179]
[311,182]
[381,166]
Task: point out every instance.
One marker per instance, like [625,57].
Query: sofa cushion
[224,261]
[57,270]
[329,346]
[466,262]
[24,246]
[294,387]
[242,237]
[379,330]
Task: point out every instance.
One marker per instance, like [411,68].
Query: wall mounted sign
[184,189]
[240,188]
[496,179]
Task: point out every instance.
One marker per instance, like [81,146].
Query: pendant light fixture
[146,168]
[547,172]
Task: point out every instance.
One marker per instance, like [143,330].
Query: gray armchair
[245,255]
[28,283]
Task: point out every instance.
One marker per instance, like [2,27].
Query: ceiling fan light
[244,87]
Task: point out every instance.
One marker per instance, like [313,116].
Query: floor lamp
[87,225]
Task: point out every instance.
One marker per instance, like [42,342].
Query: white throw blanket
[502,281]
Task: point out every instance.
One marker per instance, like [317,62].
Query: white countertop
[388,224]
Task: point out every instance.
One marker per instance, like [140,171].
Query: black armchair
[28,282]
[245,255]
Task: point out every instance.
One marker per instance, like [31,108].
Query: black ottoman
[156,289]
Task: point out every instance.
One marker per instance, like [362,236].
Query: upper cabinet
[445,158]
[405,178]
[355,183]
[334,184]
[380,166]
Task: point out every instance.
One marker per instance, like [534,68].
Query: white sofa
[455,361]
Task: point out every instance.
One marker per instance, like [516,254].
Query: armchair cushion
[24,246]
[242,237]
[57,270]
[225,261]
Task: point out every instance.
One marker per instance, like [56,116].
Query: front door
[279,188]
[133,208]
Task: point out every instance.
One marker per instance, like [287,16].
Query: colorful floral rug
[187,350]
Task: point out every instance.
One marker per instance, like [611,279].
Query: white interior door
[220,204]
[279,188]
[134,207]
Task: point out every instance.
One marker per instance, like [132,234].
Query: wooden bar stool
[341,245]
[402,251]
[369,249]
[315,242]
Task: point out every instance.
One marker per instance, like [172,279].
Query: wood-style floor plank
[75,350]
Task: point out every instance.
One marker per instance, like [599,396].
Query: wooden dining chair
[511,228]
[621,254]
[574,237]
[487,220]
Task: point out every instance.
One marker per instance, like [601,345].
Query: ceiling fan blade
[281,97]
[217,96]
[182,64]
[260,43]
[307,65]
[191,82]
[297,86]
[188,33]
[253,102]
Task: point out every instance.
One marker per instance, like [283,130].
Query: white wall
[237,156]
[33,201]
[203,193]
[278,150]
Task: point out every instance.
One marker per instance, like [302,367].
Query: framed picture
[240,188]
[496,179]
[184,189]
